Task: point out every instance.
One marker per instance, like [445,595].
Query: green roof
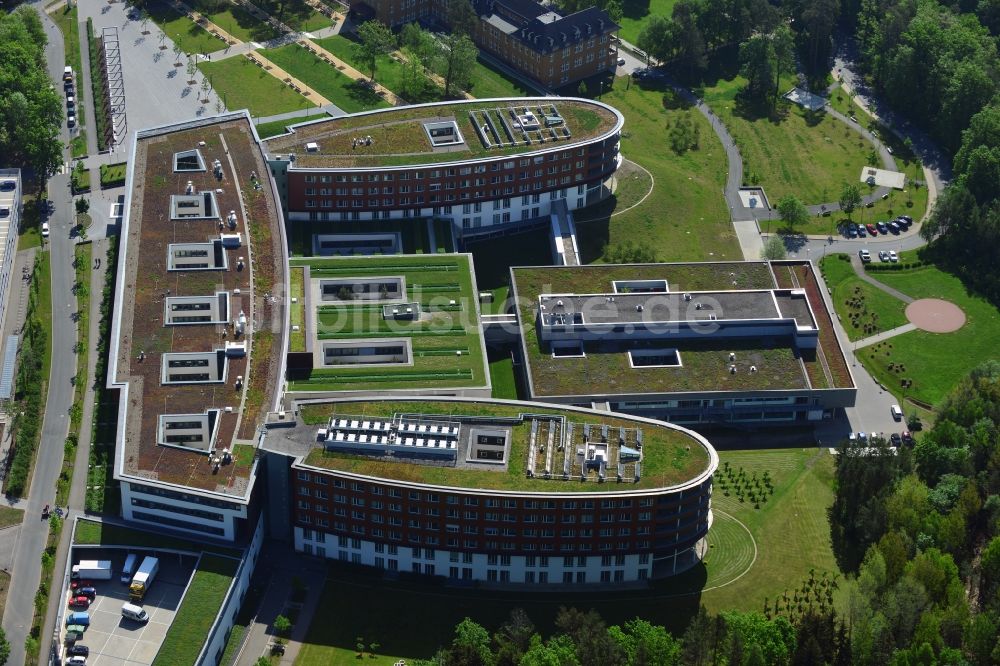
[670,456]
[447,346]
[399,137]
[705,362]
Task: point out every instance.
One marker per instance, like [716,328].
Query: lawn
[635,13]
[93,533]
[113,175]
[935,362]
[241,84]
[685,218]
[388,71]
[808,154]
[199,607]
[324,78]
[10,516]
[913,203]
[297,311]
[237,21]
[44,308]
[488,82]
[181,30]
[790,533]
[502,376]
[857,303]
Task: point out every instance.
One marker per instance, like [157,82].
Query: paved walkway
[282,565]
[288,79]
[864,275]
[303,115]
[884,335]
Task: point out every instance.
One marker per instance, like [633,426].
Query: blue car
[81,618]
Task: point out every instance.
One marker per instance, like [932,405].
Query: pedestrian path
[859,269]
[884,335]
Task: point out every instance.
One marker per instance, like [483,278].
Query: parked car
[45,234]
[88,591]
[852,231]
[70,120]
[621,62]
[896,412]
[907,437]
[871,229]
[882,227]
[78,649]
[909,220]
[80,601]
[892,256]
[76,661]
[7,185]
[895,439]
[865,256]
[862,232]
[894,228]
[862,437]
[883,256]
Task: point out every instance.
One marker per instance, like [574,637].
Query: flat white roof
[883,178]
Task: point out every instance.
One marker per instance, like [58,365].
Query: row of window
[436,173]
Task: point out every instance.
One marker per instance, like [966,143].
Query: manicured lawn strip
[113,175]
[10,516]
[935,362]
[240,83]
[388,72]
[685,218]
[489,82]
[199,607]
[809,155]
[669,457]
[502,378]
[302,18]
[790,532]
[93,533]
[324,78]
[297,313]
[847,286]
[237,21]
[635,13]
[181,30]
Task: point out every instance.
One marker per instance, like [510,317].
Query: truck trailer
[143,578]
[92,570]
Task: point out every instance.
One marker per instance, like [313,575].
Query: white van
[133,612]
[896,412]
[129,568]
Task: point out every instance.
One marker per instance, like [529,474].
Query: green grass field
[912,202]
[635,13]
[238,22]
[502,377]
[685,218]
[935,362]
[866,300]
[241,84]
[810,155]
[388,72]
[113,174]
[324,78]
[10,516]
[199,606]
[92,533]
[488,82]
[184,32]
[790,534]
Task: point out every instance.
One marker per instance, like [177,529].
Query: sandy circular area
[935,315]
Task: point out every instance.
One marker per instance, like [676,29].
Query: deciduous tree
[374,40]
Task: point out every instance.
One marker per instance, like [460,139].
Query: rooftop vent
[312,147]
[189,189]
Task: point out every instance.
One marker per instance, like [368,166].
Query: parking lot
[114,640]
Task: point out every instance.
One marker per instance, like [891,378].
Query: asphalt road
[55,425]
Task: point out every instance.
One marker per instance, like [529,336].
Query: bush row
[875,268]
[97,87]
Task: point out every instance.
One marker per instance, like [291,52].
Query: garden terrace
[391,322]
[254,254]
[670,455]
[613,364]
[488,129]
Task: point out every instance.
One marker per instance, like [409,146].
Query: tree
[581,90]
[82,206]
[850,198]
[177,52]
[690,42]
[615,10]
[658,37]
[559,651]
[461,17]
[514,639]
[792,211]
[282,625]
[191,69]
[774,248]
[594,645]
[4,647]
[757,66]
[471,645]
[644,643]
[375,39]
[460,55]
[413,80]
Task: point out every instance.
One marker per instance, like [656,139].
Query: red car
[77,584]
[871,229]
[80,601]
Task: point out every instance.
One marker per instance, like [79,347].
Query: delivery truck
[143,578]
[92,570]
